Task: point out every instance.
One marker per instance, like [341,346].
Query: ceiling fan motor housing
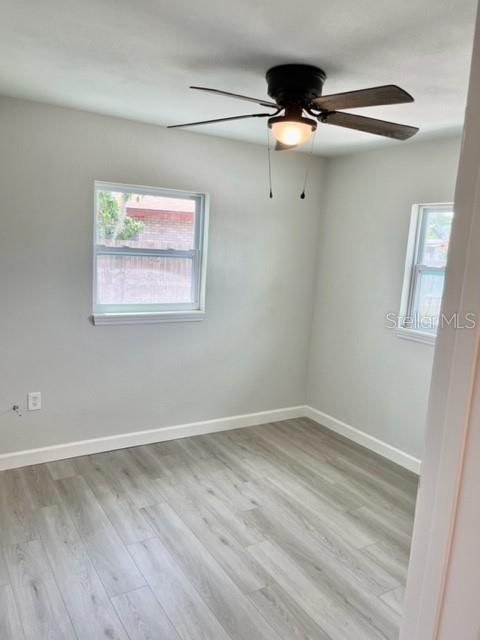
[295,84]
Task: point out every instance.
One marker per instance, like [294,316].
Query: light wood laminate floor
[278,532]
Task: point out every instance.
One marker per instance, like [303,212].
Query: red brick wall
[164,229]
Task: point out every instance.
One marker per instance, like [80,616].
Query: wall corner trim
[364,439]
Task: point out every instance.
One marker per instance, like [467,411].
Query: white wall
[360,372]
[250,352]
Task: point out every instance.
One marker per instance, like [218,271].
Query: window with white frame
[427,253]
[150,248]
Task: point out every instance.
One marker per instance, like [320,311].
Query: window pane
[437,224]
[145,221]
[144,280]
[428,296]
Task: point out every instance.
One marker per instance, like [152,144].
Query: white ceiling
[136,58]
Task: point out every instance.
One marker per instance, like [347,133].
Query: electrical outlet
[34,400]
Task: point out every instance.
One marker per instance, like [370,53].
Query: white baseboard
[121,441]
[369,442]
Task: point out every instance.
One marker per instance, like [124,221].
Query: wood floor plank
[39,602]
[197,449]
[81,504]
[391,474]
[112,562]
[317,445]
[182,466]
[190,615]
[337,568]
[395,599]
[166,448]
[218,540]
[10,625]
[311,459]
[128,520]
[374,487]
[219,449]
[382,527]
[143,617]
[288,620]
[90,609]
[4,577]
[107,552]
[126,471]
[330,613]
[177,467]
[149,461]
[390,557]
[125,516]
[235,613]
[350,486]
[226,513]
[352,529]
[333,444]
[324,555]
[226,486]
[61,469]
[242,495]
[16,509]
[197,455]
[311,437]
[353,582]
[263,459]
[250,458]
[355,453]
[39,485]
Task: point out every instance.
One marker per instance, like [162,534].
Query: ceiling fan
[297,90]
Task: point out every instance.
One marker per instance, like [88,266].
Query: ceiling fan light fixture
[292,129]
[296,89]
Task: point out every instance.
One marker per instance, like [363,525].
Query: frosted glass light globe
[290,132]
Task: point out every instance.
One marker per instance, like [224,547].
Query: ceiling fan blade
[279,146]
[369,125]
[375,96]
[194,124]
[263,103]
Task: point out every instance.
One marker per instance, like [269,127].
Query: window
[149,254]
[427,252]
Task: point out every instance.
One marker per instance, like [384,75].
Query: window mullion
[425,268]
[102,250]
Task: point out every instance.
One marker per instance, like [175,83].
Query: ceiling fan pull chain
[309,164]
[269,164]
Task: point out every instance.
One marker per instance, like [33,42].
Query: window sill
[147,317]
[415,335]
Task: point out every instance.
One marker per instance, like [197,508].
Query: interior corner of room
[296,294]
